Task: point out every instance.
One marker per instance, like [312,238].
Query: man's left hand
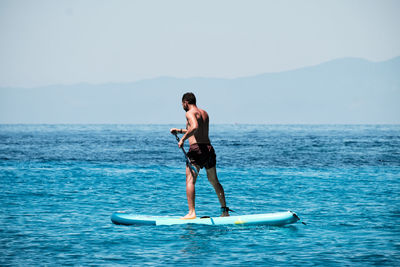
[180,144]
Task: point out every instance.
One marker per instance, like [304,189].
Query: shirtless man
[201,153]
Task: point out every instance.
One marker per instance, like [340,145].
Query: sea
[61,183]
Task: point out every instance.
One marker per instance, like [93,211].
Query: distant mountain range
[341,91]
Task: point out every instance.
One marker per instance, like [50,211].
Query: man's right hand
[174,130]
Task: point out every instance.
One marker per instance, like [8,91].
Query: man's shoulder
[202,110]
[196,112]
[191,113]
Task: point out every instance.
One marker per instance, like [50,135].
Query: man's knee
[191,177]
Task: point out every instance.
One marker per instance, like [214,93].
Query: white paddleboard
[275,219]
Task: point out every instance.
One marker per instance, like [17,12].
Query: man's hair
[190,98]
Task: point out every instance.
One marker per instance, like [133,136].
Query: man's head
[188,99]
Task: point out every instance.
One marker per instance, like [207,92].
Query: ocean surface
[61,183]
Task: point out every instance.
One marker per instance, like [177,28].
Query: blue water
[60,184]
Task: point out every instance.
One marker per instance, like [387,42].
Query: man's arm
[176,130]
[192,128]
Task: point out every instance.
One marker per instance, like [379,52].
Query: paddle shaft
[186,156]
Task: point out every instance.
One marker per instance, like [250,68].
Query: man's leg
[190,192]
[213,179]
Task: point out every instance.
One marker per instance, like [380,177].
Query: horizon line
[172,123]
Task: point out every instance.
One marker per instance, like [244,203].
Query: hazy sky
[67,42]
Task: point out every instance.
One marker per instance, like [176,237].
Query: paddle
[187,158]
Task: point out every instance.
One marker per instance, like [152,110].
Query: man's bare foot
[189,216]
[225,214]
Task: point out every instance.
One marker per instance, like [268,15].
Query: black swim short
[202,155]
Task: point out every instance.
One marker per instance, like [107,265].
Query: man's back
[201,135]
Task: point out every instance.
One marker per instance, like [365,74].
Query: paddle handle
[186,156]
